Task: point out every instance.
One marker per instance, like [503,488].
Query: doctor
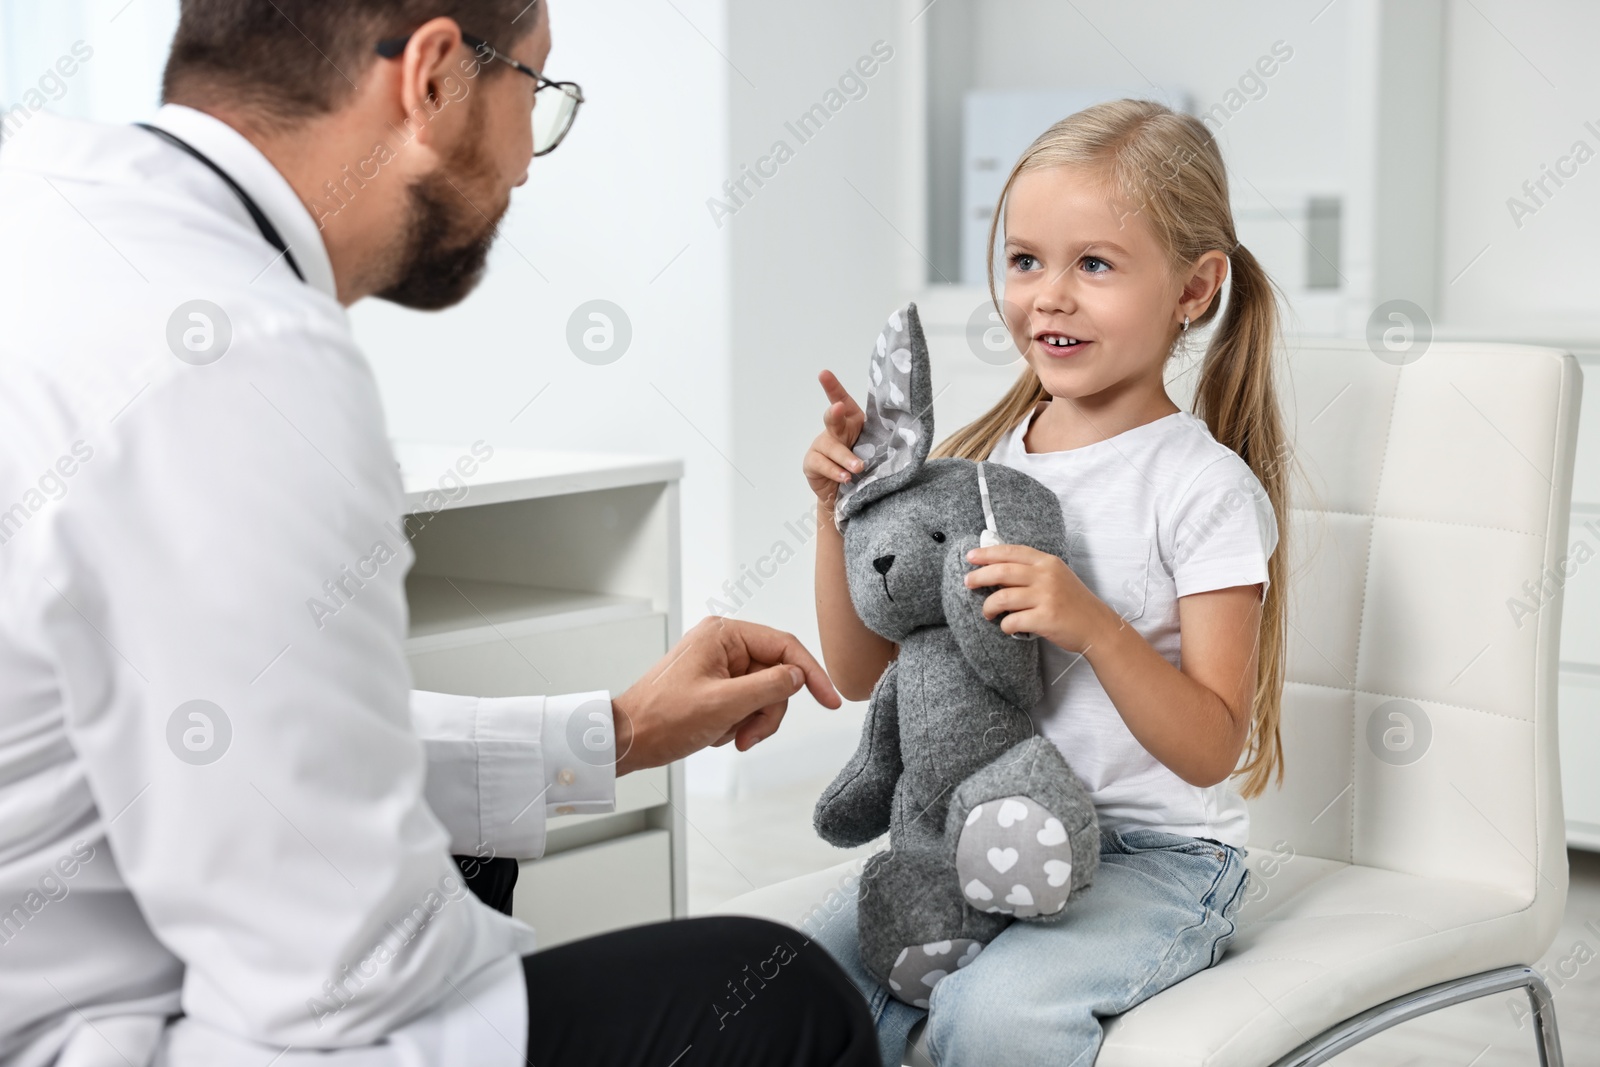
[170,500]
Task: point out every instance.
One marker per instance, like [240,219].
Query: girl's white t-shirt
[1152,514]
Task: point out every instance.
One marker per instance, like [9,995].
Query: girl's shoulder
[1196,456]
[1217,487]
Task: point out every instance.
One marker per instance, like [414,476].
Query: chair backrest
[1426,545]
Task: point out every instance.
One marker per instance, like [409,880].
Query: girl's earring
[1186,324]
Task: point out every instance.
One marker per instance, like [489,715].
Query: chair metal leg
[1374,1020]
[1544,1021]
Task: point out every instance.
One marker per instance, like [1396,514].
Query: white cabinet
[540,572]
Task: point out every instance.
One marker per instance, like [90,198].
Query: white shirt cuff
[580,754]
[498,767]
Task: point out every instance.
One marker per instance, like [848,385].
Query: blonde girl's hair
[1166,167]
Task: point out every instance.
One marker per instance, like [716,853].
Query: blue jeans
[1160,908]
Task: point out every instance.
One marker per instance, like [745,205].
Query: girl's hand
[1041,594]
[829,462]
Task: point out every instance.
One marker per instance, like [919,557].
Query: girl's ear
[898,431]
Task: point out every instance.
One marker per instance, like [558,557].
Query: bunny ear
[898,431]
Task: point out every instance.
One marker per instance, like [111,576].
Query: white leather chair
[1415,856]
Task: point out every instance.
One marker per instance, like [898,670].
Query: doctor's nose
[882,564]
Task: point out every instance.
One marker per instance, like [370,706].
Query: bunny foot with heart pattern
[1013,857]
[1018,829]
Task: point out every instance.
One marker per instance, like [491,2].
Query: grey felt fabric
[905,904]
[856,807]
[948,726]
[1008,666]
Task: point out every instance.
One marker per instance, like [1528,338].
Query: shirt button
[564,809]
[566,777]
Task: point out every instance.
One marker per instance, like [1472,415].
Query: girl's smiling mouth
[1057,344]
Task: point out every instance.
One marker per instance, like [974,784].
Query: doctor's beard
[447,235]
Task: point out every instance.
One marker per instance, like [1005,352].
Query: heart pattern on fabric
[1002,859]
[1018,838]
[915,973]
[1011,812]
[892,431]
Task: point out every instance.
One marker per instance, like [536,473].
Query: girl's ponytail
[1237,397]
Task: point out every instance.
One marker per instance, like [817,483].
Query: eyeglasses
[555,104]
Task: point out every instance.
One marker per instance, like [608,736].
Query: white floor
[739,845]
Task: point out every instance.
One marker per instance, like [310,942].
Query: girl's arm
[855,656]
[1195,720]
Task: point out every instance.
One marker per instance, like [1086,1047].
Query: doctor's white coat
[213,799]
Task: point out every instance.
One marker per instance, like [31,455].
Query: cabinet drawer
[587,891]
[610,655]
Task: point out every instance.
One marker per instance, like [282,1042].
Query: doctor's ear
[423,87]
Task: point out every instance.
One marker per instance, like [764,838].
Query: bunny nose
[882,564]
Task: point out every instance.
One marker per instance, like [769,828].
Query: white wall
[1520,83]
[121,79]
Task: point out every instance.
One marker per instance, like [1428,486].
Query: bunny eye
[938,535]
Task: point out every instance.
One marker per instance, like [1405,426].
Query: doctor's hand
[726,680]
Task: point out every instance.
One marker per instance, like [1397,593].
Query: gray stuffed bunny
[987,822]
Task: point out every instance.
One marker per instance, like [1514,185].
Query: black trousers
[705,992]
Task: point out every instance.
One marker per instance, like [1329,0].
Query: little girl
[1117,239]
